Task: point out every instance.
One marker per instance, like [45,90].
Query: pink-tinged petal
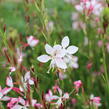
[60,63]
[79,8]
[65,42]
[22,101]
[34,102]
[6,90]
[12,102]
[38,105]
[16,90]
[0,88]
[48,49]
[72,49]
[50,93]
[9,81]
[32,41]
[6,98]
[12,69]
[48,97]
[66,96]
[44,58]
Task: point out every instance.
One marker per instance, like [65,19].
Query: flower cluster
[22,101]
[90,7]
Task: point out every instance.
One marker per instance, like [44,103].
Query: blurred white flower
[71,61]
[32,41]
[50,26]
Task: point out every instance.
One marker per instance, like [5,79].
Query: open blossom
[62,97]
[57,53]
[77,85]
[89,7]
[95,100]
[32,41]
[26,80]
[49,96]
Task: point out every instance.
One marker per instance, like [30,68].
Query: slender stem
[104,63]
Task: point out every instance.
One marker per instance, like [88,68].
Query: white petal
[9,81]
[27,76]
[17,106]
[57,47]
[72,49]
[65,42]
[6,98]
[48,49]
[33,43]
[31,82]
[60,63]
[75,65]
[1,95]
[43,58]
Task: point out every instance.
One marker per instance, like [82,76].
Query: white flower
[56,54]
[26,80]
[32,41]
[50,97]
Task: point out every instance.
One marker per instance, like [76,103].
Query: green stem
[104,63]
